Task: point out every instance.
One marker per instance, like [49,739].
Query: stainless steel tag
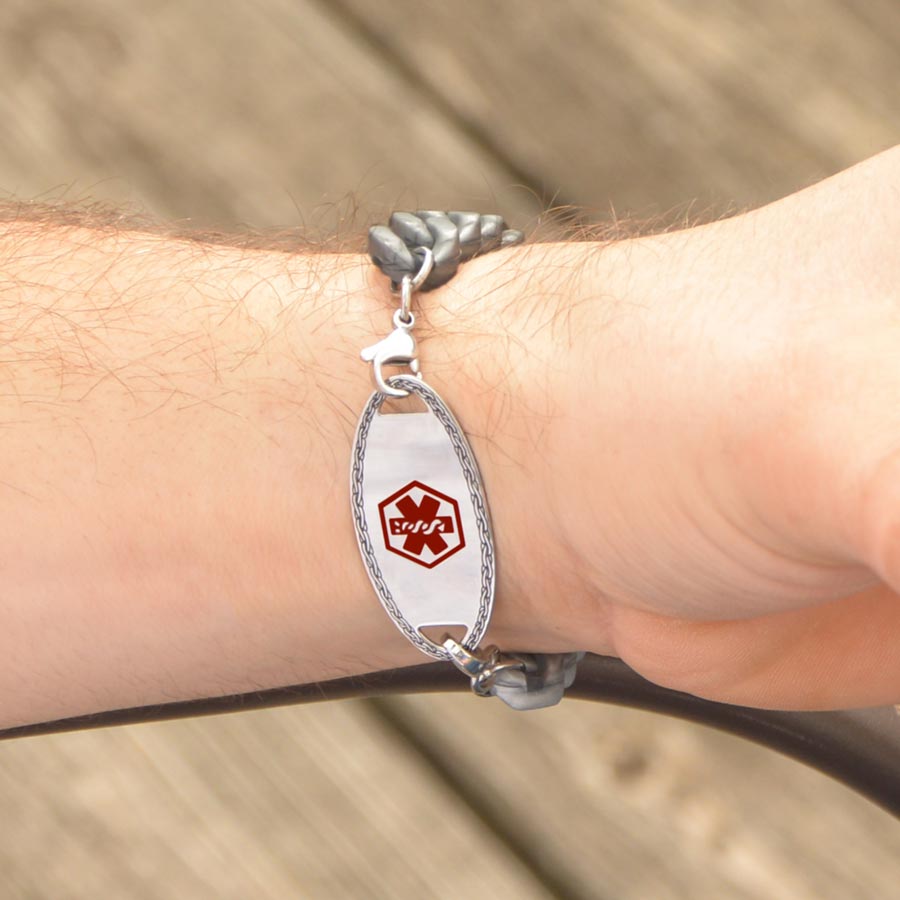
[422,519]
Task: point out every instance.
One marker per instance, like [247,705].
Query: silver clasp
[483,669]
[399,347]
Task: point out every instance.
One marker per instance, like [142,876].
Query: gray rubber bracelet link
[454,237]
[543,683]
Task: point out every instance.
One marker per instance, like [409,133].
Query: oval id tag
[422,519]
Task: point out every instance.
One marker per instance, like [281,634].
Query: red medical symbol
[421,524]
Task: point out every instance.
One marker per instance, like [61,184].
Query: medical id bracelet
[418,502]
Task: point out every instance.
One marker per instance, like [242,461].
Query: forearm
[176,418]
[177,424]
[668,479]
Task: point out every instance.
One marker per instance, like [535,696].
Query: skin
[738,536]
[688,442]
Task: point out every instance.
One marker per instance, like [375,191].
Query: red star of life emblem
[421,524]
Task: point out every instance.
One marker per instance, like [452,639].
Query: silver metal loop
[406,292]
[406,322]
[411,283]
[425,271]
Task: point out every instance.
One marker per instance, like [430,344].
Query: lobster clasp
[397,349]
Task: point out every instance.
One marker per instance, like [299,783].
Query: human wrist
[498,348]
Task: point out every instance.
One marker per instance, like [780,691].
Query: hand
[701,474]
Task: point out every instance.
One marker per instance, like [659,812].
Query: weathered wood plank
[269,114]
[658,105]
[635,805]
[315,802]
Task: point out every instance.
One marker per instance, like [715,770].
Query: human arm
[174,520]
[178,417]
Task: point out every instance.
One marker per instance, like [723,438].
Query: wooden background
[280,112]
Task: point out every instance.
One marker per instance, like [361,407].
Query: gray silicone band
[453,237]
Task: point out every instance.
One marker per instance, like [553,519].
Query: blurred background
[320,114]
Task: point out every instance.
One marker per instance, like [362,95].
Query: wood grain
[659,106]
[269,114]
[633,805]
[311,802]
